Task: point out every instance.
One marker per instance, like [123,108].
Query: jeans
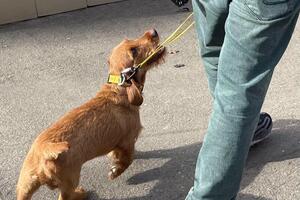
[241,41]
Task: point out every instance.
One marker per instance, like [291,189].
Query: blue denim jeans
[241,42]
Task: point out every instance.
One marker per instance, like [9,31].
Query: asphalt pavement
[52,64]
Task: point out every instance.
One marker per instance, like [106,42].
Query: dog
[108,124]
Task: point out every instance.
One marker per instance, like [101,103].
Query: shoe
[180,3]
[263,129]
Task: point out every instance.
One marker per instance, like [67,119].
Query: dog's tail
[51,151]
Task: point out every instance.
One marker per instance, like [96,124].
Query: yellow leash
[178,33]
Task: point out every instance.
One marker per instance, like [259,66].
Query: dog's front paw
[115,171]
[80,193]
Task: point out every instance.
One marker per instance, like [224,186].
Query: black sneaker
[180,3]
[263,129]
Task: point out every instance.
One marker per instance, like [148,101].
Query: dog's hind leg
[69,193]
[69,189]
[122,157]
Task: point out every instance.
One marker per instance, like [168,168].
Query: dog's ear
[134,94]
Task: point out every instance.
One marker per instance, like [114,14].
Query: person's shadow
[175,177]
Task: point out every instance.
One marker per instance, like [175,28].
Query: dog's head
[130,53]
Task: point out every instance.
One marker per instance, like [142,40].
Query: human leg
[253,45]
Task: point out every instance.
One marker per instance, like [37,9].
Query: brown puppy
[108,123]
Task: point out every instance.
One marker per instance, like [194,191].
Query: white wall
[18,10]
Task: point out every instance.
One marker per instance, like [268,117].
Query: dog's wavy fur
[109,124]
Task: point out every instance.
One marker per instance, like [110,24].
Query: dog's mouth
[161,50]
[157,57]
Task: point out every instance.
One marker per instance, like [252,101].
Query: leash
[178,33]
[130,72]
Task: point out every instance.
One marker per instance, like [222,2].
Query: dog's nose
[153,33]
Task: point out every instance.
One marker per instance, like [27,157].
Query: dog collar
[124,78]
[114,79]
[120,80]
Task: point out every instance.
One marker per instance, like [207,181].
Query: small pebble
[174,52]
[185,9]
[179,65]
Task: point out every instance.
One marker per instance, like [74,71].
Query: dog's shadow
[175,177]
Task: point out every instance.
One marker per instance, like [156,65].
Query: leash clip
[127,74]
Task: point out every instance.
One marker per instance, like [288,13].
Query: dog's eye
[134,52]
